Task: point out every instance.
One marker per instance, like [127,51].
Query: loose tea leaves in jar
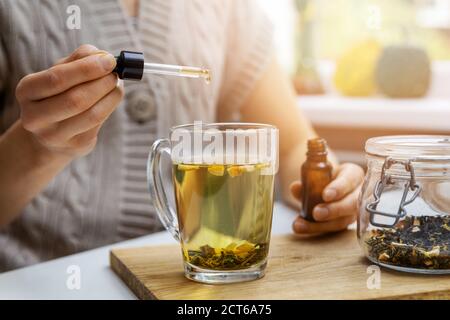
[416,242]
[403,224]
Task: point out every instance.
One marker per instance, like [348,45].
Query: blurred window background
[366,68]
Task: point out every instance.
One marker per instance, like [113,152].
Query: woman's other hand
[340,206]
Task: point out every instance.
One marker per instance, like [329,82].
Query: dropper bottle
[316,174]
[131,66]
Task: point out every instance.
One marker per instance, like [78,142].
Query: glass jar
[404,206]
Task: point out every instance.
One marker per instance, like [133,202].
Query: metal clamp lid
[387,179]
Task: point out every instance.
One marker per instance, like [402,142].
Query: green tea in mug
[224,214]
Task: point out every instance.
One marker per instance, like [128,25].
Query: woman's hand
[65,106]
[340,207]
[62,110]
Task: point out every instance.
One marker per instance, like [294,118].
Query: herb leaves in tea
[415,242]
[224,214]
[233,257]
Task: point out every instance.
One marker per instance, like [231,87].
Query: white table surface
[48,280]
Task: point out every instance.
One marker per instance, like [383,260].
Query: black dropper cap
[130,65]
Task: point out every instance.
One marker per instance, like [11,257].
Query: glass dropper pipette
[178,71]
[131,66]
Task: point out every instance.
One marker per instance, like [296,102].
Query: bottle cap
[130,65]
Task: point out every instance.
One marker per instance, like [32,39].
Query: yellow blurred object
[355,70]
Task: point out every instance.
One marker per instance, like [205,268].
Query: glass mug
[223,176]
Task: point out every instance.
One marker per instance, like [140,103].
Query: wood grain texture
[330,267]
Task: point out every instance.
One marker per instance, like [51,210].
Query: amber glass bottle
[316,175]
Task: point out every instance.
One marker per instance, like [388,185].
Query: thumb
[296,190]
[294,199]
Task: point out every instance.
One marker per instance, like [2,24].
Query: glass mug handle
[165,212]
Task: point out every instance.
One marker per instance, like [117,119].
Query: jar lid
[410,147]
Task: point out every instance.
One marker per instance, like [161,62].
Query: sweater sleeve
[248,52]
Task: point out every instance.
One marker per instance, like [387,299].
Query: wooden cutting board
[329,267]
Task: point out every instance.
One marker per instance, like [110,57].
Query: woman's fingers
[68,104]
[340,207]
[302,226]
[85,140]
[335,210]
[296,190]
[294,199]
[65,106]
[62,77]
[91,118]
[82,52]
[349,176]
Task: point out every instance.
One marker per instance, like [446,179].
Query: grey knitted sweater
[102,198]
